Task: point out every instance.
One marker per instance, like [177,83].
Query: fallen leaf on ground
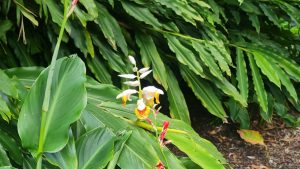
[251,136]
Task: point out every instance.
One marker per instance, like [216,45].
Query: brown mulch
[282,149]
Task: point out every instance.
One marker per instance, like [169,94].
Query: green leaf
[258,85]
[66,158]
[238,114]
[178,107]
[89,43]
[183,10]
[150,57]
[4,160]
[255,22]
[188,163]
[241,74]
[267,68]
[251,136]
[208,60]
[7,85]
[13,148]
[99,70]
[205,93]
[111,29]
[184,55]
[95,148]
[4,110]
[5,26]
[268,11]
[91,7]
[141,14]
[221,60]
[65,107]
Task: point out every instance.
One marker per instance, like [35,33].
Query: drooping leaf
[251,136]
[205,93]
[241,74]
[99,70]
[69,76]
[4,160]
[178,106]
[258,85]
[150,57]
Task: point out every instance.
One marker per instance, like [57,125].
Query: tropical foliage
[231,53]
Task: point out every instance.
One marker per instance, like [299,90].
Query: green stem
[150,128]
[46,101]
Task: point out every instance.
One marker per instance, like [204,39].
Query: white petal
[150,89]
[159,91]
[140,104]
[132,83]
[134,69]
[143,70]
[128,76]
[127,93]
[145,74]
[132,60]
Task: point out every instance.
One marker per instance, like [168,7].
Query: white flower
[127,76]
[125,95]
[132,60]
[132,83]
[145,74]
[151,92]
[140,104]
[143,70]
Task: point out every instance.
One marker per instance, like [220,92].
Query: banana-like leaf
[178,106]
[95,148]
[205,93]
[258,85]
[51,135]
[184,55]
[150,57]
[66,158]
[241,74]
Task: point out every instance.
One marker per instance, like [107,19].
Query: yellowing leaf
[251,136]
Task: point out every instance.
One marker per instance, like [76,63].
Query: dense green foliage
[233,54]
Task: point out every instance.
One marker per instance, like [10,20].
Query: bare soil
[282,149]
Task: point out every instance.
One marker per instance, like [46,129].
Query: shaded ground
[282,152]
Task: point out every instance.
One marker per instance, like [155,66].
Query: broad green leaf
[65,107]
[188,163]
[7,85]
[99,70]
[150,57]
[267,68]
[95,148]
[251,136]
[241,74]
[221,60]
[184,55]
[26,75]
[205,93]
[4,160]
[141,14]
[66,158]
[258,85]
[111,29]
[178,107]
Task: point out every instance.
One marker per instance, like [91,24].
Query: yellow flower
[151,92]
[142,111]
[125,95]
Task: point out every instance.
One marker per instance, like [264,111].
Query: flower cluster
[148,96]
[147,102]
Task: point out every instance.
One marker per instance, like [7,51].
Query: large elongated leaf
[99,70]
[241,74]
[184,55]
[258,85]
[4,160]
[95,148]
[65,107]
[205,93]
[111,29]
[150,56]
[10,144]
[178,107]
